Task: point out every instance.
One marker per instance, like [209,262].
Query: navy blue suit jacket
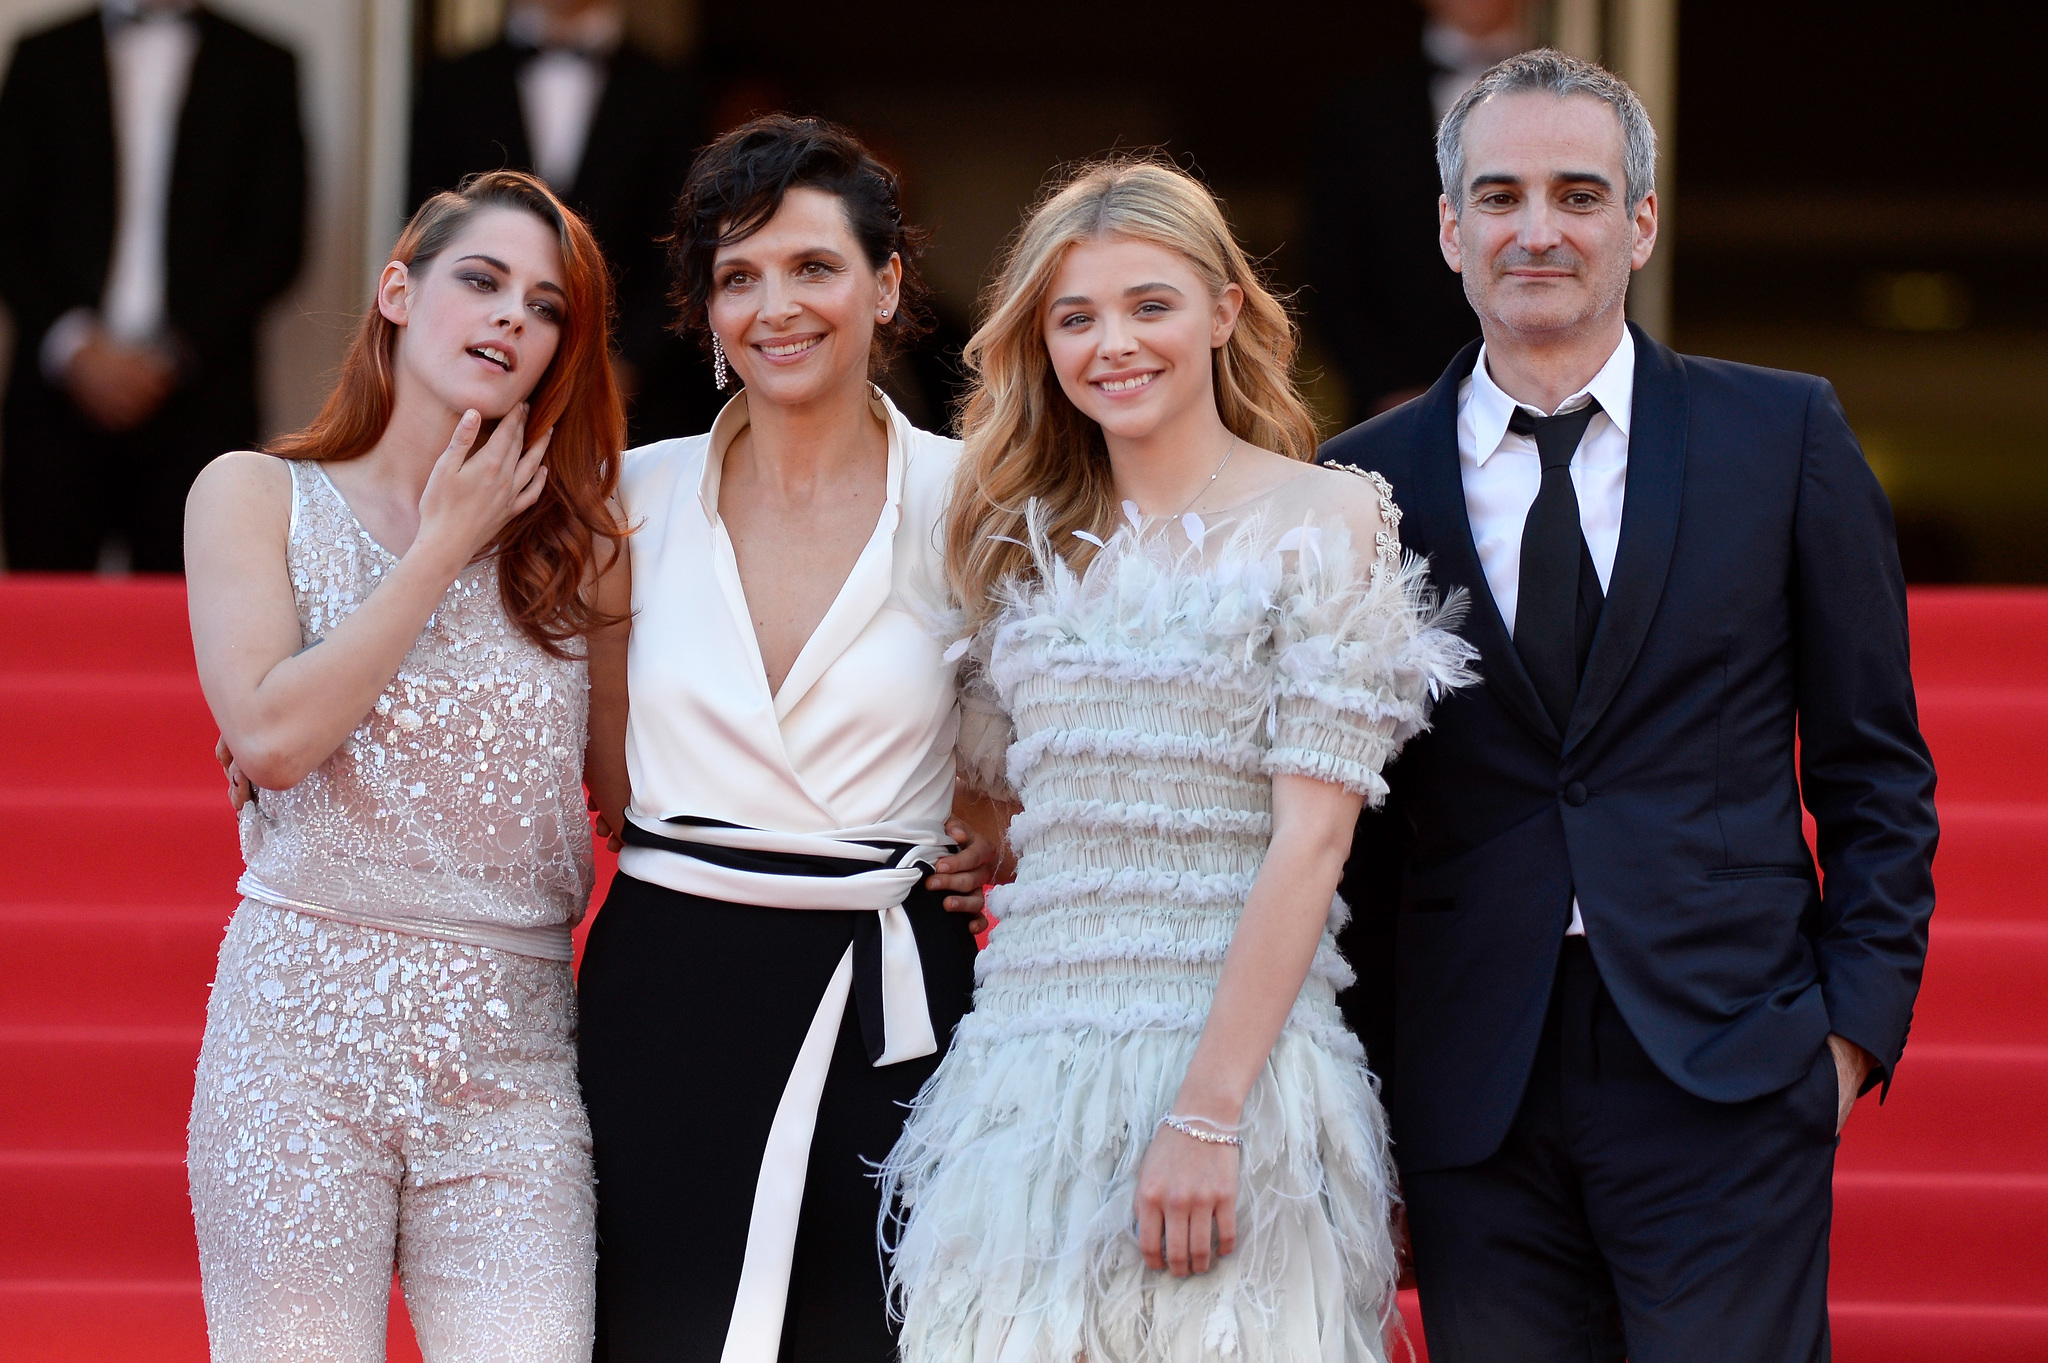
[1752,647]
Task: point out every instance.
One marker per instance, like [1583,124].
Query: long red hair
[544,554]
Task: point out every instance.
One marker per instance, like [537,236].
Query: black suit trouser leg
[1625,1217]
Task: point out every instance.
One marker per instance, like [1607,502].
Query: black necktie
[1552,626]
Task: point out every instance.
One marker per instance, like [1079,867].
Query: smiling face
[1131,329]
[1544,235]
[480,322]
[795,305]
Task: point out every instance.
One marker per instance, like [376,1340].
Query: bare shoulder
[1363,497]
[240,504]
[242,481]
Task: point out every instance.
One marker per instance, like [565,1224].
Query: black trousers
[1625,1218]
[692,1014]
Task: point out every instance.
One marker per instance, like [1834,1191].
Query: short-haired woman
[388,618]
[775,969]
[1153,1138]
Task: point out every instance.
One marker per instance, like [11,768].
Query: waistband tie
[799,871]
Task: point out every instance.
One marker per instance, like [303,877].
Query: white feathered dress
[1143,709]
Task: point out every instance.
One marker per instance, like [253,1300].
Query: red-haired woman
[389,612]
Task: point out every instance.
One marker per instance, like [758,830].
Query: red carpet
[117,866]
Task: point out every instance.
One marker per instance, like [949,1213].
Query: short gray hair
[1560,74]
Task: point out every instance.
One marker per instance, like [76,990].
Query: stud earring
[720,375]
[885,314]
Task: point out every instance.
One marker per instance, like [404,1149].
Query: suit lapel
[1649,529]
[1454,555]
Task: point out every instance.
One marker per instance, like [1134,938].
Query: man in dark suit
[567,95]
[152,204]
[1379,299]
[1619,1023]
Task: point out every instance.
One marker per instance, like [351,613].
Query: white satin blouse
[858,743]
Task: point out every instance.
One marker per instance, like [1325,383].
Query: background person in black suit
[152,204]
[566,95]
[1626,1022]
[1379,298]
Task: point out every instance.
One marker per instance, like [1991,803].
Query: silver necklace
[1229,450]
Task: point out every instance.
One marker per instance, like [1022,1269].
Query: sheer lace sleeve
[1364,646]
[983,750]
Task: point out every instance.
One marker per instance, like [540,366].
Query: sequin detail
[358,1087]
[459,797]
[370,1098]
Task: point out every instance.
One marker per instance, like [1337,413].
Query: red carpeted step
[97,1088]
[93,966]
[1992,862]
[1979,636]
[1959,1109]
[1986,983]
[1960,1239]
[88,1320]
[135,1321]
[1990,744]
[95,1214]
[66,846]
[1409,1336]
[1889,1332]
[61,623]
[131,731]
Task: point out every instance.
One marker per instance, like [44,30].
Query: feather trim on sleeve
[1361,655]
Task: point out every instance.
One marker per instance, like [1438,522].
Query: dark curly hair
[738,182]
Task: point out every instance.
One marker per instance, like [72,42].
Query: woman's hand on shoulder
[470,497]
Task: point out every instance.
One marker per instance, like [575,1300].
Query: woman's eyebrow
[503,268]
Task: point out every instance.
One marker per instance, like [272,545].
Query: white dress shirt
[149,64]
[1502,471]
[559,89]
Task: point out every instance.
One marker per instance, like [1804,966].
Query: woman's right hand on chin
[470,497]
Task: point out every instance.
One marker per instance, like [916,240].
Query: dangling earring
[719,374]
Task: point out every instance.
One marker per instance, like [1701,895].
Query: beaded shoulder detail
[1387,543]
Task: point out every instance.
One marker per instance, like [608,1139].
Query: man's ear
[394,290]
[1646,231]
[1447,235]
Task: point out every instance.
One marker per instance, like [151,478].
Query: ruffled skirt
[1015,1179]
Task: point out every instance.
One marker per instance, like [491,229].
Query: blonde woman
[1193,652]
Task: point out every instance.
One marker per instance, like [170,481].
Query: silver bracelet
[1184,1125]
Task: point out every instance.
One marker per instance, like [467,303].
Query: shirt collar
[1487,408]
[733,418]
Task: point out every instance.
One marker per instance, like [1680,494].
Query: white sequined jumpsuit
[388,1075]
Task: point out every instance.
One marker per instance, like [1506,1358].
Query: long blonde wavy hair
[1026,442]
